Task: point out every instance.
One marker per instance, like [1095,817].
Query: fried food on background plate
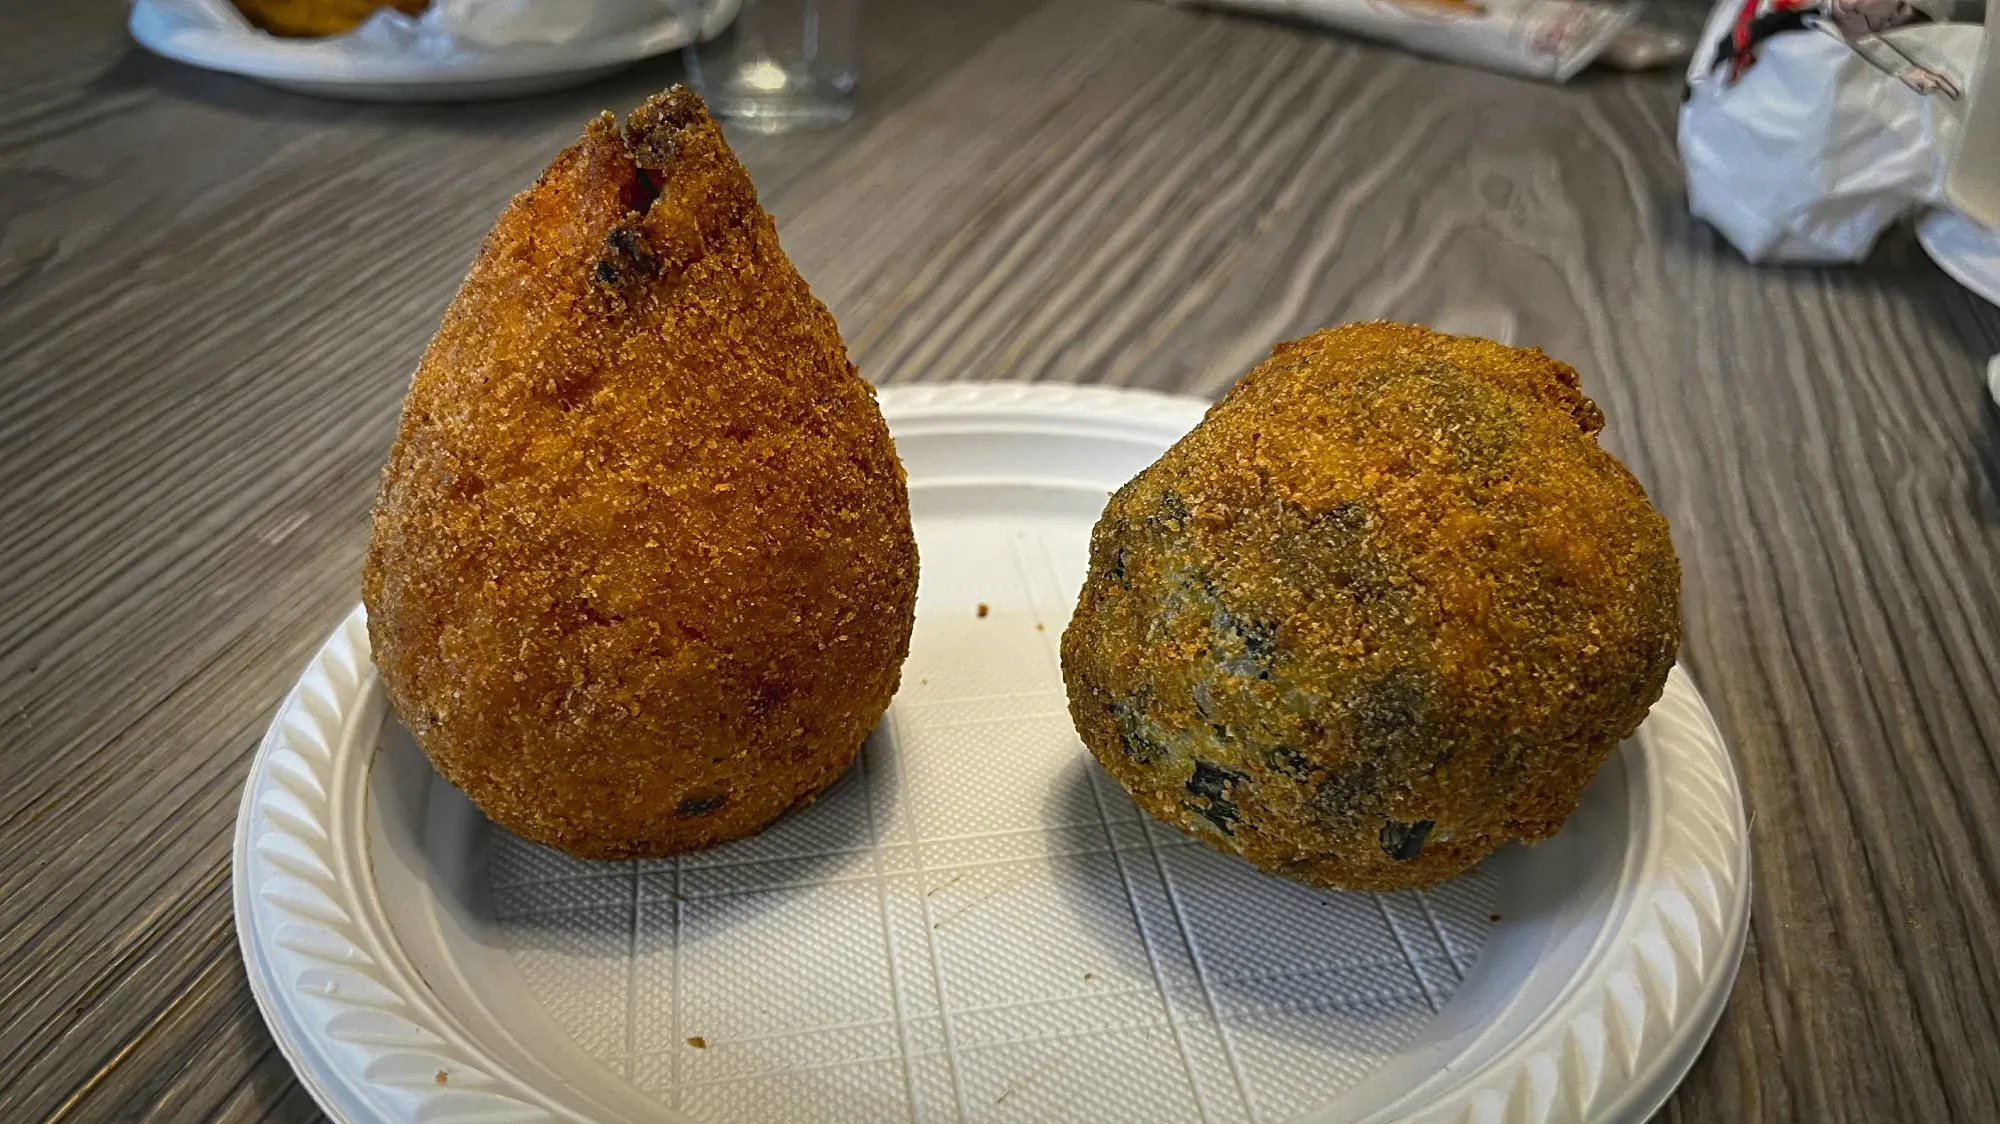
[310,18]
[1389,606]
[642,575]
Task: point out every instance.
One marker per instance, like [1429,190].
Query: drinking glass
[780,64]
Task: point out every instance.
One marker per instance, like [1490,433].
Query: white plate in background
[975,922]
[371,67]
[1966,251]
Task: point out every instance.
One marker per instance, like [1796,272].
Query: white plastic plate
[380,68]
[1966,251]
[974,923]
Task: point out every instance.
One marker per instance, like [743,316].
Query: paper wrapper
[1547,39]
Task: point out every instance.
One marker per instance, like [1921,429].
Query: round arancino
[1388,607]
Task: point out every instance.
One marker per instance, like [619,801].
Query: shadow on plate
[1304,991]
[510,892]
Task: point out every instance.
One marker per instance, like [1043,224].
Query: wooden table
[211,295]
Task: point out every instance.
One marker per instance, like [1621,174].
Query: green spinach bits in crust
[1388,607]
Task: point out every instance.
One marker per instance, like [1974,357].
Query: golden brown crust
[642,575]
[1389,606]
[309,18]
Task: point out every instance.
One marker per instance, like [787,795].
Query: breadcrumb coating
[642,576]
[1389,606]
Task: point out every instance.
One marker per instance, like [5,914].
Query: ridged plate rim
[366,1038]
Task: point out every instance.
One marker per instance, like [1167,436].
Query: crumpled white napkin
[1812,153]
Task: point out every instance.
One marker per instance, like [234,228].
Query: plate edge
[1521,1078]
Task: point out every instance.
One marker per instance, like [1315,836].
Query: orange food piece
[1389,606]
[310,18]
[642,575]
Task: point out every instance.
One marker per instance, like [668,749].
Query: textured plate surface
[974,923]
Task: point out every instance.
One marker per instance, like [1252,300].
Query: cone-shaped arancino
[642,576]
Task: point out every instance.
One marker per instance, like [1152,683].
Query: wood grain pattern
[211,296]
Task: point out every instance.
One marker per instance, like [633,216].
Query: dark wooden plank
[225,450]
[211,295]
